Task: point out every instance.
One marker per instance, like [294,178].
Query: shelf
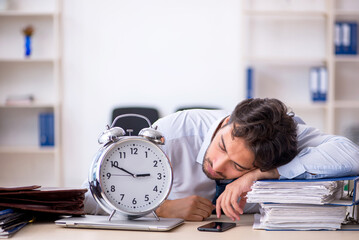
[289,13]
[346,13]
[347,104]
[30,105]
[28,60]
[286,61]
[308,106]
[347,58]
[10,13]
[28,150]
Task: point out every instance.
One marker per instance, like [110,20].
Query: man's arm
[192,208]
[228,200]
[90,204]
[321,156]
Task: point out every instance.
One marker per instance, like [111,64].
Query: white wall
[161,53]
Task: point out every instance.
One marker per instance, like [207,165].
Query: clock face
[135,176]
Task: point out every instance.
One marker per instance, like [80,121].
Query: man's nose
[219,164]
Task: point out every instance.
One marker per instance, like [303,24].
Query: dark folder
[46,200]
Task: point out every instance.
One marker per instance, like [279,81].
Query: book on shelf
[46,129]
[346,38]
[249,83]
[23,99]
[315,204]
[318,84]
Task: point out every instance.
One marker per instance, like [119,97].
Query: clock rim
[95,183]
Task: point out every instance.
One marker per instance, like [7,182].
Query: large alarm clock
[130,175]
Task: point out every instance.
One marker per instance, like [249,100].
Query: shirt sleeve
[321,156]
[90,204]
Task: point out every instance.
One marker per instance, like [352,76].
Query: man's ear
[225,121]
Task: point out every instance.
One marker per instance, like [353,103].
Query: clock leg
[111,215]
[154,214]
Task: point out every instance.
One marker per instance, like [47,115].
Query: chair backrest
[196,107]
[132,125]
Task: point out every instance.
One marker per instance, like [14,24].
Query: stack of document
[45,200]
[301,204]
[11,221]
[299,217]
[316,192]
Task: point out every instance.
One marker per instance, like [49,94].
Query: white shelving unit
[283,39]
[346,70]
[23,161]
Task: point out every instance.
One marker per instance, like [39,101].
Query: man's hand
[192,208]
[228,200]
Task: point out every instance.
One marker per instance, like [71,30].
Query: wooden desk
[187,231]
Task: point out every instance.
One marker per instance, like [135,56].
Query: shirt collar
[207,140]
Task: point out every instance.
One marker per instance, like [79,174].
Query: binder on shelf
[346,38]
[314,84]
[338,38]
[46,129]
[318,84]
[354,38]
[310,204]
[249,82]
[323,84]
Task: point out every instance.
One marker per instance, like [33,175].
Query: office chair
[132,125]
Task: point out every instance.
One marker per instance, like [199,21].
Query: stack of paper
[300,204]
[316,192]
[299,217]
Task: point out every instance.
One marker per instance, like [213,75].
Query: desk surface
[187,231]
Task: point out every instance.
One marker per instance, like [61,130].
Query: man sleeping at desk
[260,139]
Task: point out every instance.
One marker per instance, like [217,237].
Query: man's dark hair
[268,130]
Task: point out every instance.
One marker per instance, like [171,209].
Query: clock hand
[122,169]
[133,175]
[143,175]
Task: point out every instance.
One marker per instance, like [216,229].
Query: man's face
[227,157]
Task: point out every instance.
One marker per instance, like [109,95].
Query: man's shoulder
[200,114]
[189,121]
[191,116]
